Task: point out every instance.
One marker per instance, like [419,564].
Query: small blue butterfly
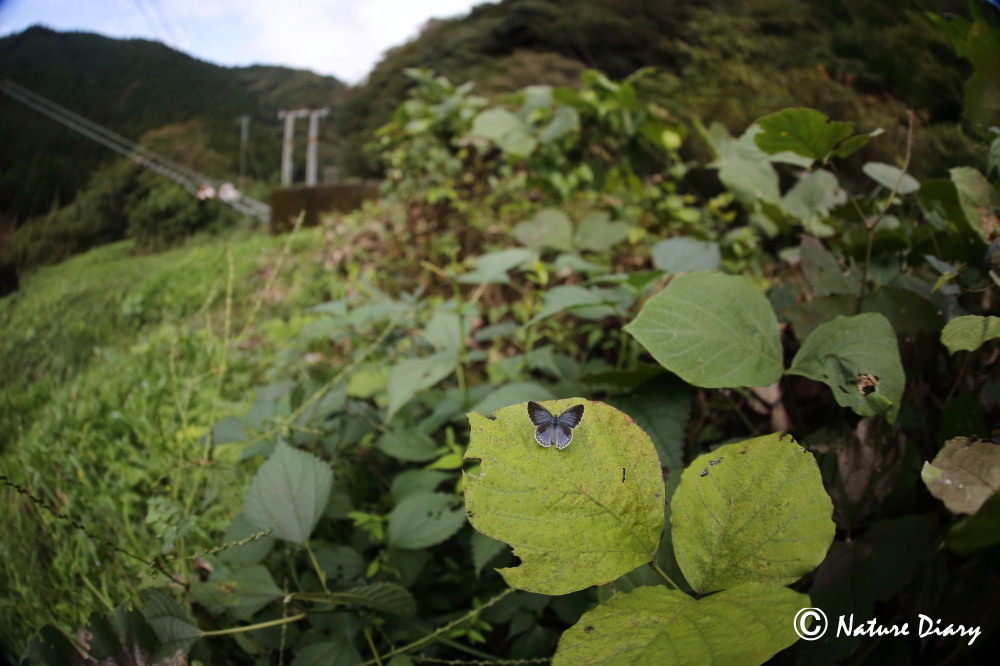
[551,429]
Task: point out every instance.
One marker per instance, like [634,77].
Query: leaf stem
[663,574]
[442,630]
[253,627]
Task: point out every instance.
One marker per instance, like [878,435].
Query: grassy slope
[112,367]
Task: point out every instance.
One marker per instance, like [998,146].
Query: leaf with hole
[751,512]
[858,358]
[569,516]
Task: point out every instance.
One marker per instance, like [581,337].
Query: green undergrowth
[328,457]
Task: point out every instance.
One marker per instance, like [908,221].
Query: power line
[186,177]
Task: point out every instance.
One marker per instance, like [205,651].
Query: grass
[112,368]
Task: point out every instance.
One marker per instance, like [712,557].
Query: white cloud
[343,38]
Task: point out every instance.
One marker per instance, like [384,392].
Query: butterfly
[551,429]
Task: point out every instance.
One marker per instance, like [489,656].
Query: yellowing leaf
[576,517]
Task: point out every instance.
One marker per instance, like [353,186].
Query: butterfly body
[551,429]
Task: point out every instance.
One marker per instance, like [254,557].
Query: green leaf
[484,549]
[565,121]
[889,177]
[243,592]
[412,375]
[822,271]
[751,512]
[803,131]
[251,552]
[508,394]
[875,565]
[229,429]
[685,255]
[654,625]
[661,407]
[549,228]
[340,563]
[492,267]
[407,445]
[413,481]
[338,652]
[576,517]
[964,474]
[810,201]
[288,494]
[172,626]
[504,129]
[584,302]
[598,233]
[978,199]
[981,530]
[712,330]
[969,333]
[424,519]
[858,358]
[385,597]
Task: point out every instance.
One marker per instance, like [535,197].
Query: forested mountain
[133,87]
[719,60]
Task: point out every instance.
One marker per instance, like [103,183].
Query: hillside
[132,87]
[724,60]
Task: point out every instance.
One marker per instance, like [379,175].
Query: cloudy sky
[342,38]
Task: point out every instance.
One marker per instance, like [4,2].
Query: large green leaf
[981,530]
[585,302]
[173,627]
[424,519]
[654,625]
[858,358]
[661,407]
[978,199]
[288,494]
[810,200]
[890,177]
[683,255]
[751,512]
[964,474]
[410,376]
[243,592]
[508,394]
[576,517]
[712,330]
[386,597]
[549,228]
[872,566]
[597,233]
[492,267]
[504,129]
[969,333]
[803,131]
[339,652]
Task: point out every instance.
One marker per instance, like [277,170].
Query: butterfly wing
[564,425]
[572,416]
[550,429]
[539,415]
[546,434]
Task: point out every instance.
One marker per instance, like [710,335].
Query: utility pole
[286,145]
[312,145]
[244,137]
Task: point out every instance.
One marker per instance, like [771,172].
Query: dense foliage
[315,448]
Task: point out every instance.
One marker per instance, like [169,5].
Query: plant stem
[371,644]
[253,627]
[420,642]
[663,574]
